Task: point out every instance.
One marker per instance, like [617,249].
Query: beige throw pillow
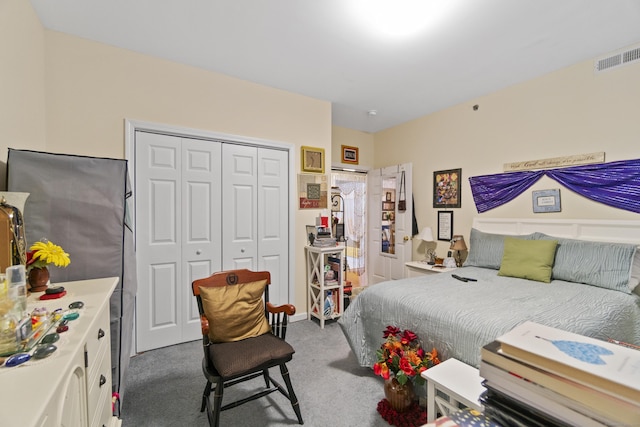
[235,312]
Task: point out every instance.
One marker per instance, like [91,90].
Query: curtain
[353,189]
[615,184]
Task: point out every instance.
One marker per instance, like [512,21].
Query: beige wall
[92,88]
[88,89]
[571,111]
[22,95]
[364,141]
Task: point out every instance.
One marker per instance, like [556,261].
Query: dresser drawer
[99,390]
[97,340]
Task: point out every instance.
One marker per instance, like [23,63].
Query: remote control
[462,279]
[55,290]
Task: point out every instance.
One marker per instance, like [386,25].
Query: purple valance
[615,184]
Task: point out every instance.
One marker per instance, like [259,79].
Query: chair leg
[205,396]
[265,374]
[217,401]
[292,396]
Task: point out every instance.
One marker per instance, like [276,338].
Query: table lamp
[426,235]
[458,244]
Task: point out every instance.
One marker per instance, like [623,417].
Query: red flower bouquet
[402,355]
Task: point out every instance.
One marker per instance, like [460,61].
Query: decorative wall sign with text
[312,191]
[556,162]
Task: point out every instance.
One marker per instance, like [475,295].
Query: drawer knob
[100,333]
[103,380]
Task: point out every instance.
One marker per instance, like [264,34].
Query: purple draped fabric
[615,184]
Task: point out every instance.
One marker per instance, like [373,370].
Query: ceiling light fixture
[372,113]
[400,18]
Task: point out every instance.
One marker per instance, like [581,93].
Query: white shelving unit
[321,261]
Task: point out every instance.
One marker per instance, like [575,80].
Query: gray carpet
[164,387]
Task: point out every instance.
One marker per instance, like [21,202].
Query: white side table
[460,383]
[419,268]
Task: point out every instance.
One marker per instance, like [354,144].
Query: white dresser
[72,387]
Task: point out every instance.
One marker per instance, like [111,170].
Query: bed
[595,270]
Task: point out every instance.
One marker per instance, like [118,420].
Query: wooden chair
[231,304]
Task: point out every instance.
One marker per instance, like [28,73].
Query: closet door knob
[242,250]
[198,252]
[100,333]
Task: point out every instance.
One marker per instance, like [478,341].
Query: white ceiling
[320,49]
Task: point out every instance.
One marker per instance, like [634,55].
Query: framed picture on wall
[446,188]
[350,155]
[312,159]
[445,225]
[546,201]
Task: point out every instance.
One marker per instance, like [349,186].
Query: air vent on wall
[617,60]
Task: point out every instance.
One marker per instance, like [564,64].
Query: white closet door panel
[239,206]
[163,296]
[273,221]
[158,239]
[201,222]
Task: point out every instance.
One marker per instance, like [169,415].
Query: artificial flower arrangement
[403,356]
[43,253]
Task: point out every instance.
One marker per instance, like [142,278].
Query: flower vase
[38,279]
[399,396]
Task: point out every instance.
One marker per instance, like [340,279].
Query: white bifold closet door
[203,206]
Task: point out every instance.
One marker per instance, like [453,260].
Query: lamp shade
[426,234]
[458,244]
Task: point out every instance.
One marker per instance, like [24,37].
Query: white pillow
[634,279]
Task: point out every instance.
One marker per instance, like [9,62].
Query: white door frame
[131,126]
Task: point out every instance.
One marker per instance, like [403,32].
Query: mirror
[388,215]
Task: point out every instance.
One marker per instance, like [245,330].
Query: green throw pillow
[528,259]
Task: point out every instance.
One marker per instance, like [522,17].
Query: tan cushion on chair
[235,312]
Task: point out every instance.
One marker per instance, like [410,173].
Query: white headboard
[623,231]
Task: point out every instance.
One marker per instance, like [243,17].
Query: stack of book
[536,375]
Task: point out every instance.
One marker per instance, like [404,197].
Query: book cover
[596,405]
[583,359]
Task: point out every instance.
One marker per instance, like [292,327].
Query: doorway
[352,216]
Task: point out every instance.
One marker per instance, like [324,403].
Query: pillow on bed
[238,310]
[603,264]
[635,273]
[485,249]
[528,259]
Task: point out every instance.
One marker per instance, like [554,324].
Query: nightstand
[419,268]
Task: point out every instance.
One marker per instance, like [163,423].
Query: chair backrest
[230,278]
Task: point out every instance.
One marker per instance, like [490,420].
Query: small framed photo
[445,225]
[312,232]
[388,206]
[546,201]
[385,216]
[350,155]
[312,159]
[388,196]
[446,188]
